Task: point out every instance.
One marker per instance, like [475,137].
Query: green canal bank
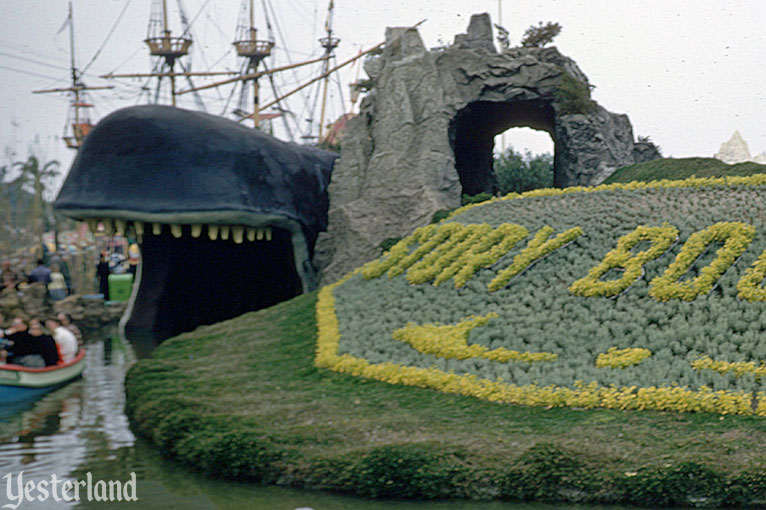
[242,400]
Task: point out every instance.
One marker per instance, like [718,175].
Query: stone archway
[424,135]
[472,132]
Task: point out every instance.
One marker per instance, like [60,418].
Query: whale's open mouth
[225,217]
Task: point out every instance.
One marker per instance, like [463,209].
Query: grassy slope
[681,169]
[242,399]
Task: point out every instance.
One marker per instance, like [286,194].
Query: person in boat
[17,345]
[66,320]
[43,344]
[21,348]
[66,342]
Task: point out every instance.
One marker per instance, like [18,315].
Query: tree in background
[36,178]
[517,172]
[540,35]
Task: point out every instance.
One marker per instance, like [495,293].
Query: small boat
[19,384]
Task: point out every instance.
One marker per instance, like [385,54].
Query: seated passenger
[20,346]
[66,342]
[66,321]
[43,344]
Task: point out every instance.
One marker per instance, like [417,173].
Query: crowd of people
[55,275]
[33,344]
[53,271]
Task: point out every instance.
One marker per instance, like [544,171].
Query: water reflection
[81,428]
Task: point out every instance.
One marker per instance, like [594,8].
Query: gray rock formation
[32,302]
[425,135]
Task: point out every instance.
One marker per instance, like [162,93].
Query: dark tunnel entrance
[187,282]
[472,132]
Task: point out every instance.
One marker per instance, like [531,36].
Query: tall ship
[263,86]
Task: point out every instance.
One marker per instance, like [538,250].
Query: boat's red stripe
[19,368]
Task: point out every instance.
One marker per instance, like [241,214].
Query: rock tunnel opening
[186,282]
[472,136]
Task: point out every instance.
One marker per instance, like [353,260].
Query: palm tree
[37,177]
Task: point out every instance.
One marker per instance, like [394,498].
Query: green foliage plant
[409,471]
[573,96]
[540,35]
[388,243]
[475,199]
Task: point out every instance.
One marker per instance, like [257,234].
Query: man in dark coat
[43,344]
[40,274]
[102,271]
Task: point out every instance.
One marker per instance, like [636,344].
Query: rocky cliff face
[425,135]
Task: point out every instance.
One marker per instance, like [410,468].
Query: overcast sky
[687,73]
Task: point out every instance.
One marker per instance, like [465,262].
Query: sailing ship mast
[254,50]
[329,43]
[165,46]
[81,122]
[169,49]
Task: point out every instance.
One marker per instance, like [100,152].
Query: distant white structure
[736,151]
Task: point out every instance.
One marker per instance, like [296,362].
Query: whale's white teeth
[108,226]
[237,234]
[92,224]
[124,227]
[120,227]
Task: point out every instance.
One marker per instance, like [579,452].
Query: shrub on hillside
[411,471]
[540,35]
[573,96]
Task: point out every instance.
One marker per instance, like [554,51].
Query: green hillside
[682,168]
[587,344]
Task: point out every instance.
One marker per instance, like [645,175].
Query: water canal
[82,429]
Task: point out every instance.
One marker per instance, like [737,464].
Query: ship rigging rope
[33,61]
[189,25]
[268,21]
[30,73]
[108,36]
[294,72]
[282,110]
[184,19]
